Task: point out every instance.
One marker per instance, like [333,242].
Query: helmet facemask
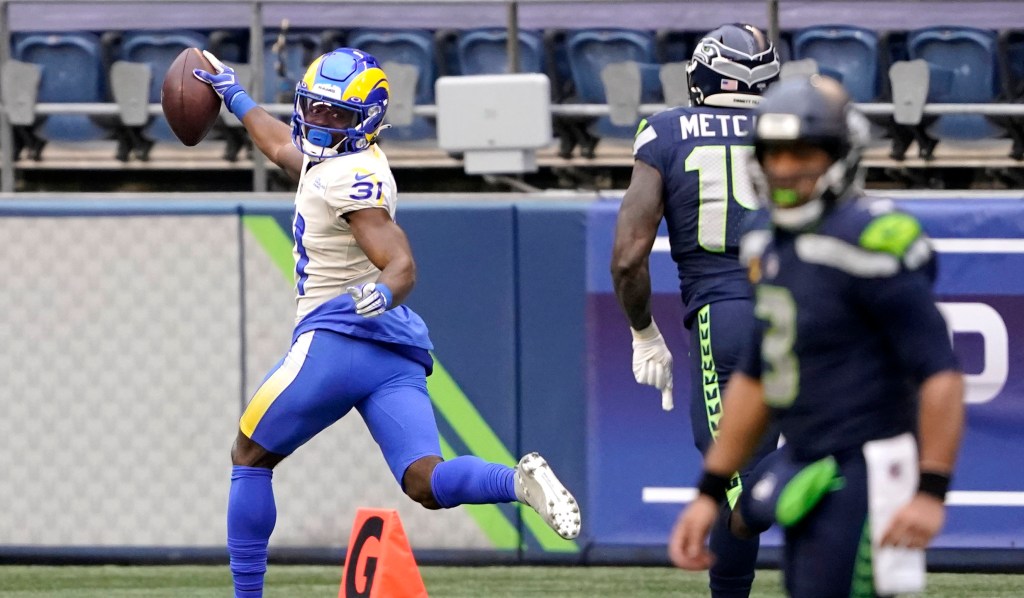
[794,197]
[790,209]
[321,141]
[351,92]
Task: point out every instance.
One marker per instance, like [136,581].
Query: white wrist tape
[647,334]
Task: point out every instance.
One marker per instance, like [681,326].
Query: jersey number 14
[721,179]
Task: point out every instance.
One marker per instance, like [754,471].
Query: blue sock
[732,573]
[251,518]
[470,480]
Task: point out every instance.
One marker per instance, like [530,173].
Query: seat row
[967,65]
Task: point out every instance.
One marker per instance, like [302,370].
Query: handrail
[7,178]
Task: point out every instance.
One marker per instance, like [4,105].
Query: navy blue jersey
[848,328]
[702,154]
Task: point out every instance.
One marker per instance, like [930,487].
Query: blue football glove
[371,299]
[225,83]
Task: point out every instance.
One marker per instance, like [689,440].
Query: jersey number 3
[720,180]
[775,305]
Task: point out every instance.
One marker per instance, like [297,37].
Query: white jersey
[327,258]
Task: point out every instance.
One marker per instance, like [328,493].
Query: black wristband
[714,486]
[934,484]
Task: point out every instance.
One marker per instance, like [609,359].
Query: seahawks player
[852,360]
[355,345]
[691,169]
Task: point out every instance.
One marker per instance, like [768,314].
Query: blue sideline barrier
[519,301]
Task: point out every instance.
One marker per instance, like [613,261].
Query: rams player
[691,170]
[852,360]
[355,345]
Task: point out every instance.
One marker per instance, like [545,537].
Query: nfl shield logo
[730,84]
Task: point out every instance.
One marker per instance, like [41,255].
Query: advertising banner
[642,462]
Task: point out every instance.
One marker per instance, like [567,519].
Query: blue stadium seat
[848,54]
[784,48]
[485,51]
[1011,72]
[407,46]
[964,61]
[1012,56]
[158,49]
[590,50]
[558,62]
[299,50]
[673,46]
[230,45]
[72,71]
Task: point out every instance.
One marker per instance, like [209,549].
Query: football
[190,106]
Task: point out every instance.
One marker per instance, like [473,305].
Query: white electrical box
[497,121]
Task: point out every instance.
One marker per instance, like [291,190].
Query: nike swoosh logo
[360,177]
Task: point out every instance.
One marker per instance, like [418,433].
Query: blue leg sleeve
[251,518]
[471,480]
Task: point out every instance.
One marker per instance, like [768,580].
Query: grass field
[442,582]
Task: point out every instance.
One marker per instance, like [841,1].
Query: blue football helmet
[813,111]
[731,67]
[348,80]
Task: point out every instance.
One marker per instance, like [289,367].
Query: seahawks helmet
[813,111]
[731,67]
[348,79]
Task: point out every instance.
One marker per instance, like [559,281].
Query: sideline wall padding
[133,332]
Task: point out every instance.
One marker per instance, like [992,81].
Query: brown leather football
[190,106]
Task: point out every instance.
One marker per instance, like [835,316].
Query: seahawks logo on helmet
[731,67]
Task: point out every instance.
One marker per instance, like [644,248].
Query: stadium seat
[331,39]
[485,51]
[966,59]
[785,47]
[230,45]
[590,50]
[1011,55]
[445,41]
[158,49]
[848,54]
[408,46]
[571,131]
[72,71]
[673,46]
[283,66]
[562,86]
[1011,72]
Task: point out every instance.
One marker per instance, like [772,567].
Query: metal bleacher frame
[256,30]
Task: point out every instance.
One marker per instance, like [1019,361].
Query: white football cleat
[537,486]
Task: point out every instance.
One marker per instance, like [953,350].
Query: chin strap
[839,180]
[799,217]
[319,153]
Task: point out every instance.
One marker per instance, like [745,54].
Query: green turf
[442,582]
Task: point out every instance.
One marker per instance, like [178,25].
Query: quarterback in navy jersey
[355,344]
[851,359]
[691,169]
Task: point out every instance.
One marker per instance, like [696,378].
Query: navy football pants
[718,335]
[828,552]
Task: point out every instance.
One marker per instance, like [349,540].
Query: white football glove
[652,362]
[371,299]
